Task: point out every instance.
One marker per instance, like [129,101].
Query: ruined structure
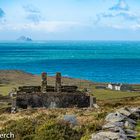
[58,96]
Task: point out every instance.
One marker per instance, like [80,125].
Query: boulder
[70,119]
[124,111]
[135,113]
[131,137]
[131,121]
[119,125]
[113,124]
[135,110]
[99,137]
[116,129]
[115,117]
[130,132]
[129,125]
[109,136]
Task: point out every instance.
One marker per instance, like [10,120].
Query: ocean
[99,61]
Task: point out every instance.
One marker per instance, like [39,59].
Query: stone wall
[119,125]
[53,99]
[58,96]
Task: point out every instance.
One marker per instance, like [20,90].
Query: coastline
[10,79]
[91,119]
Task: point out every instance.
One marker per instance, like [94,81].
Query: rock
[99,137]
[24,38]
[115,117]
[120,125]
[96,106]
[116,129]
[135,116]
[135,113]
[129,125]
[113,124]
[131,121]
[71,119]
[124,111]
[130,132]
[109,136]
[135,110]
[13,110]
[130,137]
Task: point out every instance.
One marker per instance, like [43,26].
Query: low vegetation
[48,124]
[138,130]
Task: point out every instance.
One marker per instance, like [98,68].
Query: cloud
[31,9]
[48,26]
[33,13]
[2,13]
[119,20]
[129,16]
[34,18]
[119,17]
[121,5]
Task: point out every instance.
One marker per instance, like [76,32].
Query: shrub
[52,130]
[20,128]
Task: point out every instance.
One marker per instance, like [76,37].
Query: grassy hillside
[11,79]
[48,124]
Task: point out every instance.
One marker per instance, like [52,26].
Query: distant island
[24,38]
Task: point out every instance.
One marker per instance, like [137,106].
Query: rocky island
[24,38]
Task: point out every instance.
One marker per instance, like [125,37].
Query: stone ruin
[58,96]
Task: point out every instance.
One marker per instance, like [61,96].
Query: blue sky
[70,19]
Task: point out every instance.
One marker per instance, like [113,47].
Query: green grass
[5,89]
[138,130]
[100,94]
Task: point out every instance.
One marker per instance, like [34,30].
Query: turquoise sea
[100,61]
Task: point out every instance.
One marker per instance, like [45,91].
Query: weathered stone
[109,135]
[113,124]
[44,82]
[99,137]
[130,132]
[129,125]
[13,110]
[135,116]
[116,129]
[68,88]
[135,113]
[120,126]
[131,137]
[92,101]
[131,121]
[135,110]
[95,106]
[58,96]
[124,111]
[29,89]
[115,117]
[58,82]
[71,119]
[61,100]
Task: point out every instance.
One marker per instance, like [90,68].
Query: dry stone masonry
[58,96]
[119,125]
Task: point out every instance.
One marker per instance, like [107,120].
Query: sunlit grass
[6,89]
[138,130]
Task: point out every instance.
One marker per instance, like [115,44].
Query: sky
[70,19]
